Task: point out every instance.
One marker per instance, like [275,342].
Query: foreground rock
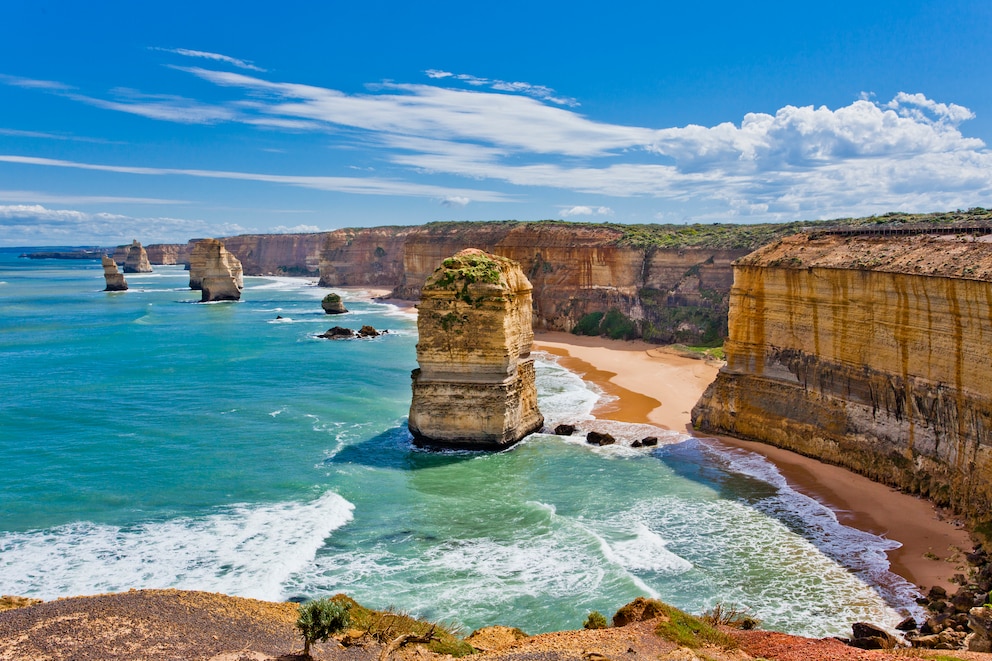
[475,385]
[114,278]
[870,351]
[215,272]
[137,259]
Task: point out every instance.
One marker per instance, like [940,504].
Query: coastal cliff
[475,385]
[868,350]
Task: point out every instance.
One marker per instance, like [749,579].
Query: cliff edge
[868,349]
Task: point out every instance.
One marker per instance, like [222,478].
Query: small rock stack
[114,278]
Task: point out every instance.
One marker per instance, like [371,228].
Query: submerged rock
[596,438]
[114,278]
[215,272]
[475,385]
[564,430]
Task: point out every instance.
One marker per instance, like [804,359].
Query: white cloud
[31,83]
[23,224]
[585,211]
[241,64]
[296,229]
[455,201]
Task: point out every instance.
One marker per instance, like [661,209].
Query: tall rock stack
[137,259]
[215,272]
[114,278]
[475,385]
[870,350]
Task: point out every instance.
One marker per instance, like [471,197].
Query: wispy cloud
[455,201]
[541,92]
[23,224]
[47,198]
[31,83]
[865,157]
[358,185]
[217,57]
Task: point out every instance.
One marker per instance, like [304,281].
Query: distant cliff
[870,351]
[665,283]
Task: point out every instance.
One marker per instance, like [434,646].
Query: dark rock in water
[368,331]
[636,444]
[337,333]
[908,624]
[595,438]
[332,304]
[649,441]
[278,316]
[870,637]
[564,430]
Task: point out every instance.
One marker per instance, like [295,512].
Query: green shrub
[689,631]
[618,326]
[596,620]
[588,324]
[319,619]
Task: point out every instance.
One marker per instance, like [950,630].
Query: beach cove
[225,447]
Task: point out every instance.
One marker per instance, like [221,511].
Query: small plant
[596,620]
[730,615]
[320,619]
[689,631]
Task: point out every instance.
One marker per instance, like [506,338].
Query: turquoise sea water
[148,440]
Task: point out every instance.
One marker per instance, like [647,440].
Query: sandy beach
[655,386]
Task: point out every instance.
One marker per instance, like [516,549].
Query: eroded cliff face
[168,253]
[277,254]
[371,257]
[215,272]
[868,352]
[475,385]
[675,295]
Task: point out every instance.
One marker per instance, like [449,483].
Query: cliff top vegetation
[730,236]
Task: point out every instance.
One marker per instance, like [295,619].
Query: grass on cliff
[385,626]
[690,631]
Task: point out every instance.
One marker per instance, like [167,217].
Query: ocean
[151,441]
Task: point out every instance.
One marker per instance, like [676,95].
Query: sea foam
[245,550]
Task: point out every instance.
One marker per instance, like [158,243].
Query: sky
[168,121]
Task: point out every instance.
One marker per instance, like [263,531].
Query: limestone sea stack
[114,278]
[215,272]
[475,385]
[869,349]
[137,259]
[332,304]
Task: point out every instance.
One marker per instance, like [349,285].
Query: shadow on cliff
[394,448]
[749,479]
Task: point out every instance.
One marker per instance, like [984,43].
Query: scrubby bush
[618,326]
[320,619]
[588,324]
[596,620]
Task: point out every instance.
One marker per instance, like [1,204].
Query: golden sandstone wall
[475,385]
[866,351]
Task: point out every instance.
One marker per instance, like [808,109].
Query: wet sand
[654,386]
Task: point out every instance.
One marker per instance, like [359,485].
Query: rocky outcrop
[870,351]
[332,304]
[475,384]
[369,257]
[114,278]
[215,271]
[137,259]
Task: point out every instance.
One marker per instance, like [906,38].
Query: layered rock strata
[114,278]
[871,352]
[215,272]
[137,259]
[475,384]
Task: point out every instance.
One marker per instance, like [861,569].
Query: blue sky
[168,121]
